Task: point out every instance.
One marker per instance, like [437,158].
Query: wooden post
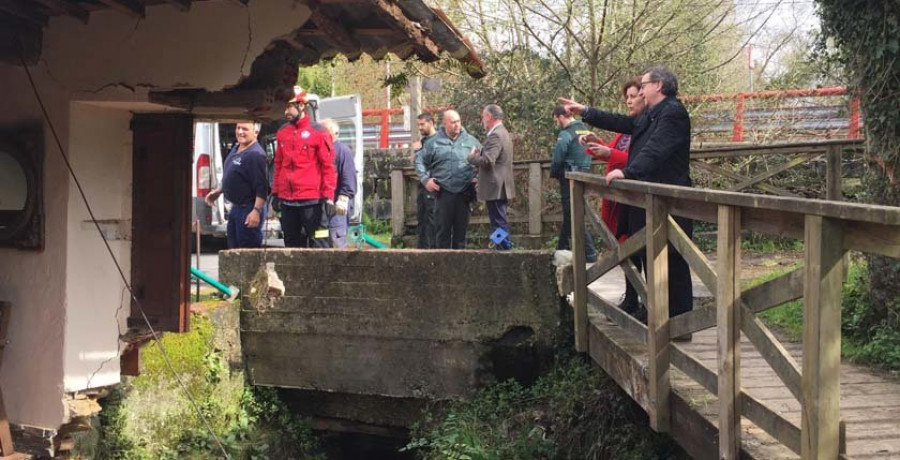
[6,442]
[579,277]
[415,106]
[398,202]
[657,310]
[535,188]
[728,325]
[820,421]
[833,174]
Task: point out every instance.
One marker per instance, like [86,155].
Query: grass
[150,417]
[574,411]
[877,346]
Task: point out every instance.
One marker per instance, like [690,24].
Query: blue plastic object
[500,239]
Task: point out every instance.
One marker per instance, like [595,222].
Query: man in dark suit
[660,152]
[495,169]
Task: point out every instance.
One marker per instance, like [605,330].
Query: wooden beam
[616,315]
[689,196]
[535,204]
[833,170]
[6,441]
[425,47]
[728,310]
[361,31]
[692,254]
[62,6]
[735,176]
[755,410]
[182,5]
[579,278]
[334,30]
[608,261]
[398,213]
[772,172]
[658,312]
[631,271]
[822,338]
[771,350]
[872,238]
[759,298]
[128,7]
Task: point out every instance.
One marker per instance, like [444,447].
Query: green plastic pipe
[231,292]
[373,242]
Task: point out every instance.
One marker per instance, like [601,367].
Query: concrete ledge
[397,323]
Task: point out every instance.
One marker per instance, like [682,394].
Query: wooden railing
[829,229]
[535,211]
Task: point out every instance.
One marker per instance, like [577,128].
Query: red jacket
[304,163]
[609,210]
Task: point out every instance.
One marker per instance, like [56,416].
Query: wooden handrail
[829,229]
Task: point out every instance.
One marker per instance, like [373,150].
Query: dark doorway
[161,213]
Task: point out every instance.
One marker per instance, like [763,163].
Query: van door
[347,112]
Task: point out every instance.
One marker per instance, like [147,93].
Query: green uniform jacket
[568,153]
[446,160]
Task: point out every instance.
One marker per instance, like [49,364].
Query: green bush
[877,345]
[150,417]
[574,411]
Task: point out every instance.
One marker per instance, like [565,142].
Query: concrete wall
[420,324]
[65,298]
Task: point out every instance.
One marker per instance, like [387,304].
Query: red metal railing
[740,106]
[740,109]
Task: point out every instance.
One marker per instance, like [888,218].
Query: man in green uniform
[569,155]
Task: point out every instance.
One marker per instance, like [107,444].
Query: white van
[211,147]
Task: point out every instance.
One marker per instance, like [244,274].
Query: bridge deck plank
[870,400]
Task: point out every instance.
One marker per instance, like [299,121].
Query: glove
[342,204]
[276,203]
[329,208]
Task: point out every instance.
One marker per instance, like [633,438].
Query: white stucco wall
[100,152]
[34,282]
[64,321]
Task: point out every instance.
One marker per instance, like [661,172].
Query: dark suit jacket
[660,148]
[495,172]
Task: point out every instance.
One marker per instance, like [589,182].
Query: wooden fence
[532,208]
[829,229]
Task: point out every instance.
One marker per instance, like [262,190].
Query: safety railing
[828,229]
[535,205]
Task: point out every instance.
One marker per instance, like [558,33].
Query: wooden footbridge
[736,391]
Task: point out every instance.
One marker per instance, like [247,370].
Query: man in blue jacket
[346,187]
[443,169]
[660,152]
[246,187]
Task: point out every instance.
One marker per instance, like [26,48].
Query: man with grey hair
[246,186]
[339,223]
[660,152]
[443,170]
[495,172]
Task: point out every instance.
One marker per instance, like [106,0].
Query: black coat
[660,149]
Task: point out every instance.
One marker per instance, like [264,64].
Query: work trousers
[299,225]
[426,228]
[451,214]
[239,235]
[565,230]
[338,227]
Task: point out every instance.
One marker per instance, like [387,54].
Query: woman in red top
[615,154]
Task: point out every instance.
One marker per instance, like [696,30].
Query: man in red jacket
[305,178]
